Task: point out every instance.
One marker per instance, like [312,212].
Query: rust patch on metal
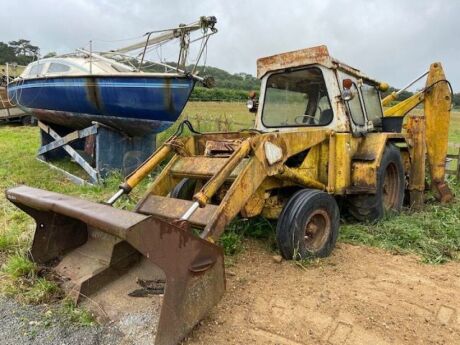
[292,59]
[168,96]
[93,92]
[221,148]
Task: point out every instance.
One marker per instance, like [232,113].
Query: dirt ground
[357,296]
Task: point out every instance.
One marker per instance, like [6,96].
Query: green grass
[40,291]
[433,234]
[214,117]
[232,240]
[13,72]
[20,279]
[75,314]
[454,134]
[19,266]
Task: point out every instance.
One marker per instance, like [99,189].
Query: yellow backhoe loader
[321,138]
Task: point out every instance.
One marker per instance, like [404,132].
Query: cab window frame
[362,106]
[365,106]
[300,124]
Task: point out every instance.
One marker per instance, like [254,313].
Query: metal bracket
[63,142]
[67,139]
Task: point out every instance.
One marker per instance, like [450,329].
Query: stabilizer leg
[437,113]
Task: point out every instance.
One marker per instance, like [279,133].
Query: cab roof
[310,56]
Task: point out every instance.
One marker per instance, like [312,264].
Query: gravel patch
[38,325]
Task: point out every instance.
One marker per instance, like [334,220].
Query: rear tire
[389,195]
[308,225]
[131,161]
[184,189]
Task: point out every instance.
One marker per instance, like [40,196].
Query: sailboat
[111,87]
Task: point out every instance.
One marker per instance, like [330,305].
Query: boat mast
[182,32]
[169,34]
[90,57]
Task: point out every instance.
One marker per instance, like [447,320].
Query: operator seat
[326,117]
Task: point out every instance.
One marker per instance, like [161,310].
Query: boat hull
[123,102]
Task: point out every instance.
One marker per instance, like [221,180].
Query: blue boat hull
[155,101]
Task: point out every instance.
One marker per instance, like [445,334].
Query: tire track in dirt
[359,295]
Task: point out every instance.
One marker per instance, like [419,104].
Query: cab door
[355,107]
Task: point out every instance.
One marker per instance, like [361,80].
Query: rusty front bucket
[122,262]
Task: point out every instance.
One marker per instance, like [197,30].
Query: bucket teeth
[149,287]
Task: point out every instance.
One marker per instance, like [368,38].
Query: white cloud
[390,40]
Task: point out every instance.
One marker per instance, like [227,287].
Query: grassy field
[214,116]
[455,127]
[434,234]
[13,72]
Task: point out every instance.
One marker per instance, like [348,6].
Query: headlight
[250,104]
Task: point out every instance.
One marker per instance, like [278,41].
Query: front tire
[184,189]
[308,225]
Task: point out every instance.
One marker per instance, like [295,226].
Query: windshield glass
[296,98]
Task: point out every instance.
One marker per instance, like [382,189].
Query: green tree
[24,51]
[50,55]
[6,53]
[456,99]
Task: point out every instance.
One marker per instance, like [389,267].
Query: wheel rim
[390,187]
[317,230]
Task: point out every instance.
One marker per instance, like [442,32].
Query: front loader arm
[264,162]
[244,186]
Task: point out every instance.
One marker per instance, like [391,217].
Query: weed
[75,314]
[21,281]
[18,266]
[259,228]
[231,242]
[14,238]
[42,290]
[306,263]
[30,290]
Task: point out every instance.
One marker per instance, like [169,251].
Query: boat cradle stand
[98,150]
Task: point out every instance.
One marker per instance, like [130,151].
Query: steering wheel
[299,119]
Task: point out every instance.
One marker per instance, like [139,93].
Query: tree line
[21,52]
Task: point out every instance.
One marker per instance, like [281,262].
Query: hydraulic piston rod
[394,95]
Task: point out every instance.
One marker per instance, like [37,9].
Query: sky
[391,40]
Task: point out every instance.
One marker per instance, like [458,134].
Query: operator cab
[308,88]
